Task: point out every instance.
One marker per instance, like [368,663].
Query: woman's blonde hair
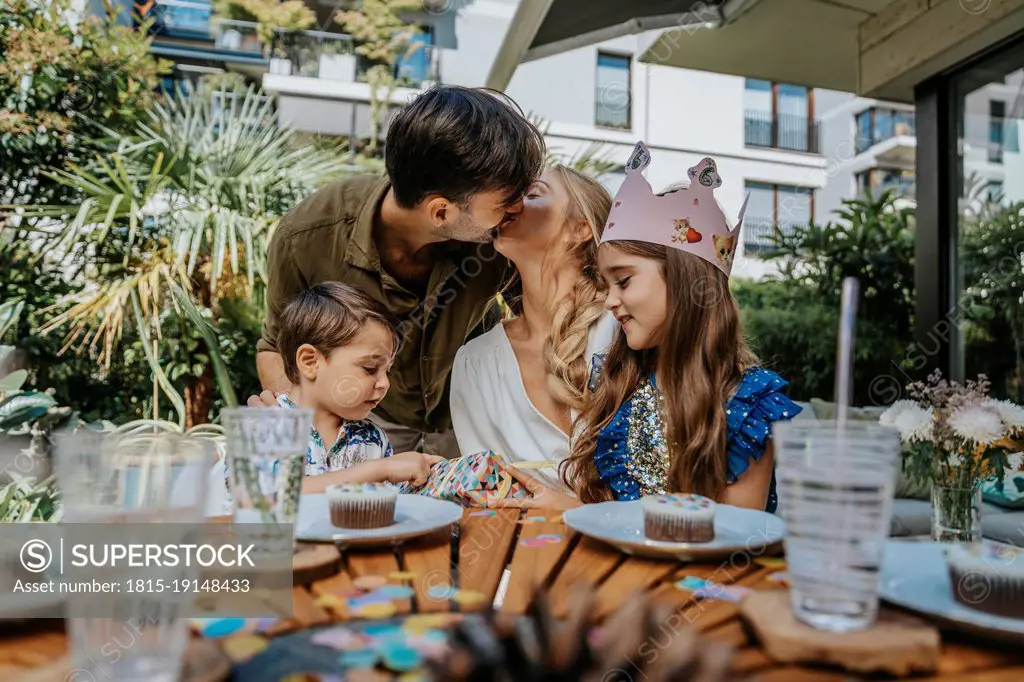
[699,363]
[566,347]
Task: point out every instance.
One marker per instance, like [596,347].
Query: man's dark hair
[328,316]
[457,142]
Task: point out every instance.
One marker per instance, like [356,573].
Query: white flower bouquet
[955,435]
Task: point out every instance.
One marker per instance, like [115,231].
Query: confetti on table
[469,597]
[221,627]
[384,632]
[550,537]
[729,593]
[400,658]
[412,677]
[771,561]
[261,625]
[375,611]
[340,638]
[780,577]
[367,599]
[359,658]
[441,592]
[243,647]
[483,512]
[394,591]
[402,575]
[329,601]
[370,582]
[690,583]
[423,622]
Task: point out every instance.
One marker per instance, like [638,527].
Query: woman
[517,388]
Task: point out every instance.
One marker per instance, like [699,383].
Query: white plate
[914,576]
[622,524]
[415,515]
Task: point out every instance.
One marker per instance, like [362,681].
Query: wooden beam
[523,29]
[910,40]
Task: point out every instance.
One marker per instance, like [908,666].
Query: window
[415,68]
[613,92]
[879,124]
[770,205]
[995,191]
[996,118]
[780,115]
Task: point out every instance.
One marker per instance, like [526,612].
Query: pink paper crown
[689,219]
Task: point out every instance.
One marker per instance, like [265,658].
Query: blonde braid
[566,347]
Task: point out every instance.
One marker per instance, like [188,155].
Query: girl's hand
[541,496]
[409,466]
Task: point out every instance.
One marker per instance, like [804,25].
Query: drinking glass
[108,480]
[266,453]
[836,490]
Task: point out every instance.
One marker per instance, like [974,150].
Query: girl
[516,388]
[680,403]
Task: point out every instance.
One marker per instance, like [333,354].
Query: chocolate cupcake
[362,505]
[679,517]
[989,577]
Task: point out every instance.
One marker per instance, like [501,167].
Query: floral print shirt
[355,442]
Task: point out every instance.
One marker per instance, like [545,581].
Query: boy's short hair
[328,316]
[457,142]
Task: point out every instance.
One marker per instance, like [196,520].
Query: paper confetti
[262,625]
[359,658]
[219,627]
[690,583]
[424,622]
[729,593]
[552,538]
[243,647]
[482,512]
[370,582]
[384,632]
[342,639]
[770,561]
[394,591]
[469,597]
[780,577]
[402,575]
[401,658]
[376,610]
[329,601]
[441,592]
[368,599]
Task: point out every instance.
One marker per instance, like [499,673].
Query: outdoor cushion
[1012,494]
[914,517]
[1004,527]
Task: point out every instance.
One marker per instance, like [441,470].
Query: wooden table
[491,541]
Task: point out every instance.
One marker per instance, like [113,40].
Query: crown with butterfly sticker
[689,219]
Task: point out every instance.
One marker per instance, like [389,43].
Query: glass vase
[956,514]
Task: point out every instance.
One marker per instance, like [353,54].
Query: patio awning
[541,28]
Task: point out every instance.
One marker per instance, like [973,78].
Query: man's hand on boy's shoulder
[264,399]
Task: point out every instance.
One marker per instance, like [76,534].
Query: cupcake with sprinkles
[989,577]
[678,517]
[362,505]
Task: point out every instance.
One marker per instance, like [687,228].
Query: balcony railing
[182,18]
[903,188]
[332,56]
[782,131]
[757,234]
[885,129]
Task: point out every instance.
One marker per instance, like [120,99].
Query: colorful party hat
[689,219]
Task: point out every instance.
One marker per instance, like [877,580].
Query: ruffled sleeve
[611,455]
[759,402]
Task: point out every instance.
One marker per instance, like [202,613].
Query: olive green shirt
[329,238]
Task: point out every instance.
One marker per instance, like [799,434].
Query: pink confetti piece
[342,639]
[728,593]
[483,512]
[534,542]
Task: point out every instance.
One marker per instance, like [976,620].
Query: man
[458,162]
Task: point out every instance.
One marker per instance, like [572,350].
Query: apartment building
[767,137]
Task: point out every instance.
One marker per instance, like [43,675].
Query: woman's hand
[541,496]
[409,466]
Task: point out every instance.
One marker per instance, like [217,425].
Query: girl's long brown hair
[698,362]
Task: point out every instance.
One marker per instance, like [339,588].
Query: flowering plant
[954,434]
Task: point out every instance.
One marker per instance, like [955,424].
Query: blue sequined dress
[631,455]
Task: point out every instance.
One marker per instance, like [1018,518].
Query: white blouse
[491,410]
